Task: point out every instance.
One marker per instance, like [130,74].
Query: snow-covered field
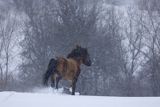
[47,98]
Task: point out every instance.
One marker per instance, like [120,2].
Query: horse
[67,68]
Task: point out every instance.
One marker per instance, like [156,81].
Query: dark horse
[67,68]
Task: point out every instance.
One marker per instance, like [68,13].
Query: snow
[49,98]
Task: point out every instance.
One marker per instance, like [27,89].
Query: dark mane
[74,53]
[77,52]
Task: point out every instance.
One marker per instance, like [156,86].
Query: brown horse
[67,68]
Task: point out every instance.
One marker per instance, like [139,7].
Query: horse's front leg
[74,86]
[74,82]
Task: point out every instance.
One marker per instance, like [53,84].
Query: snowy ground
[48,98]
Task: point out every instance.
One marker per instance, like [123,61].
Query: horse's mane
[75,52]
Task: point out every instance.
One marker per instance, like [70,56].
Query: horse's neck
[78,60]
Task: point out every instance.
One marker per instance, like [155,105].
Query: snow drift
[47,98]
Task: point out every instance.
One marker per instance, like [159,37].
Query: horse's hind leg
[58,78]
[52,82]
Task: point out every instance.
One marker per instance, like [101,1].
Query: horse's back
[60,65]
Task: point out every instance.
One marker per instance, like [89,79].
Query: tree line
[123,42]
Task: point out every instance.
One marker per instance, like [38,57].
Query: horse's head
[81,53]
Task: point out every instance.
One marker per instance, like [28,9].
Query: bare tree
[154,49]
[151,26]
[7,29]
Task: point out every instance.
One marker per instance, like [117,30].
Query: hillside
[15,99]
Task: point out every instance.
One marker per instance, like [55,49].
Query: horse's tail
[50,70]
